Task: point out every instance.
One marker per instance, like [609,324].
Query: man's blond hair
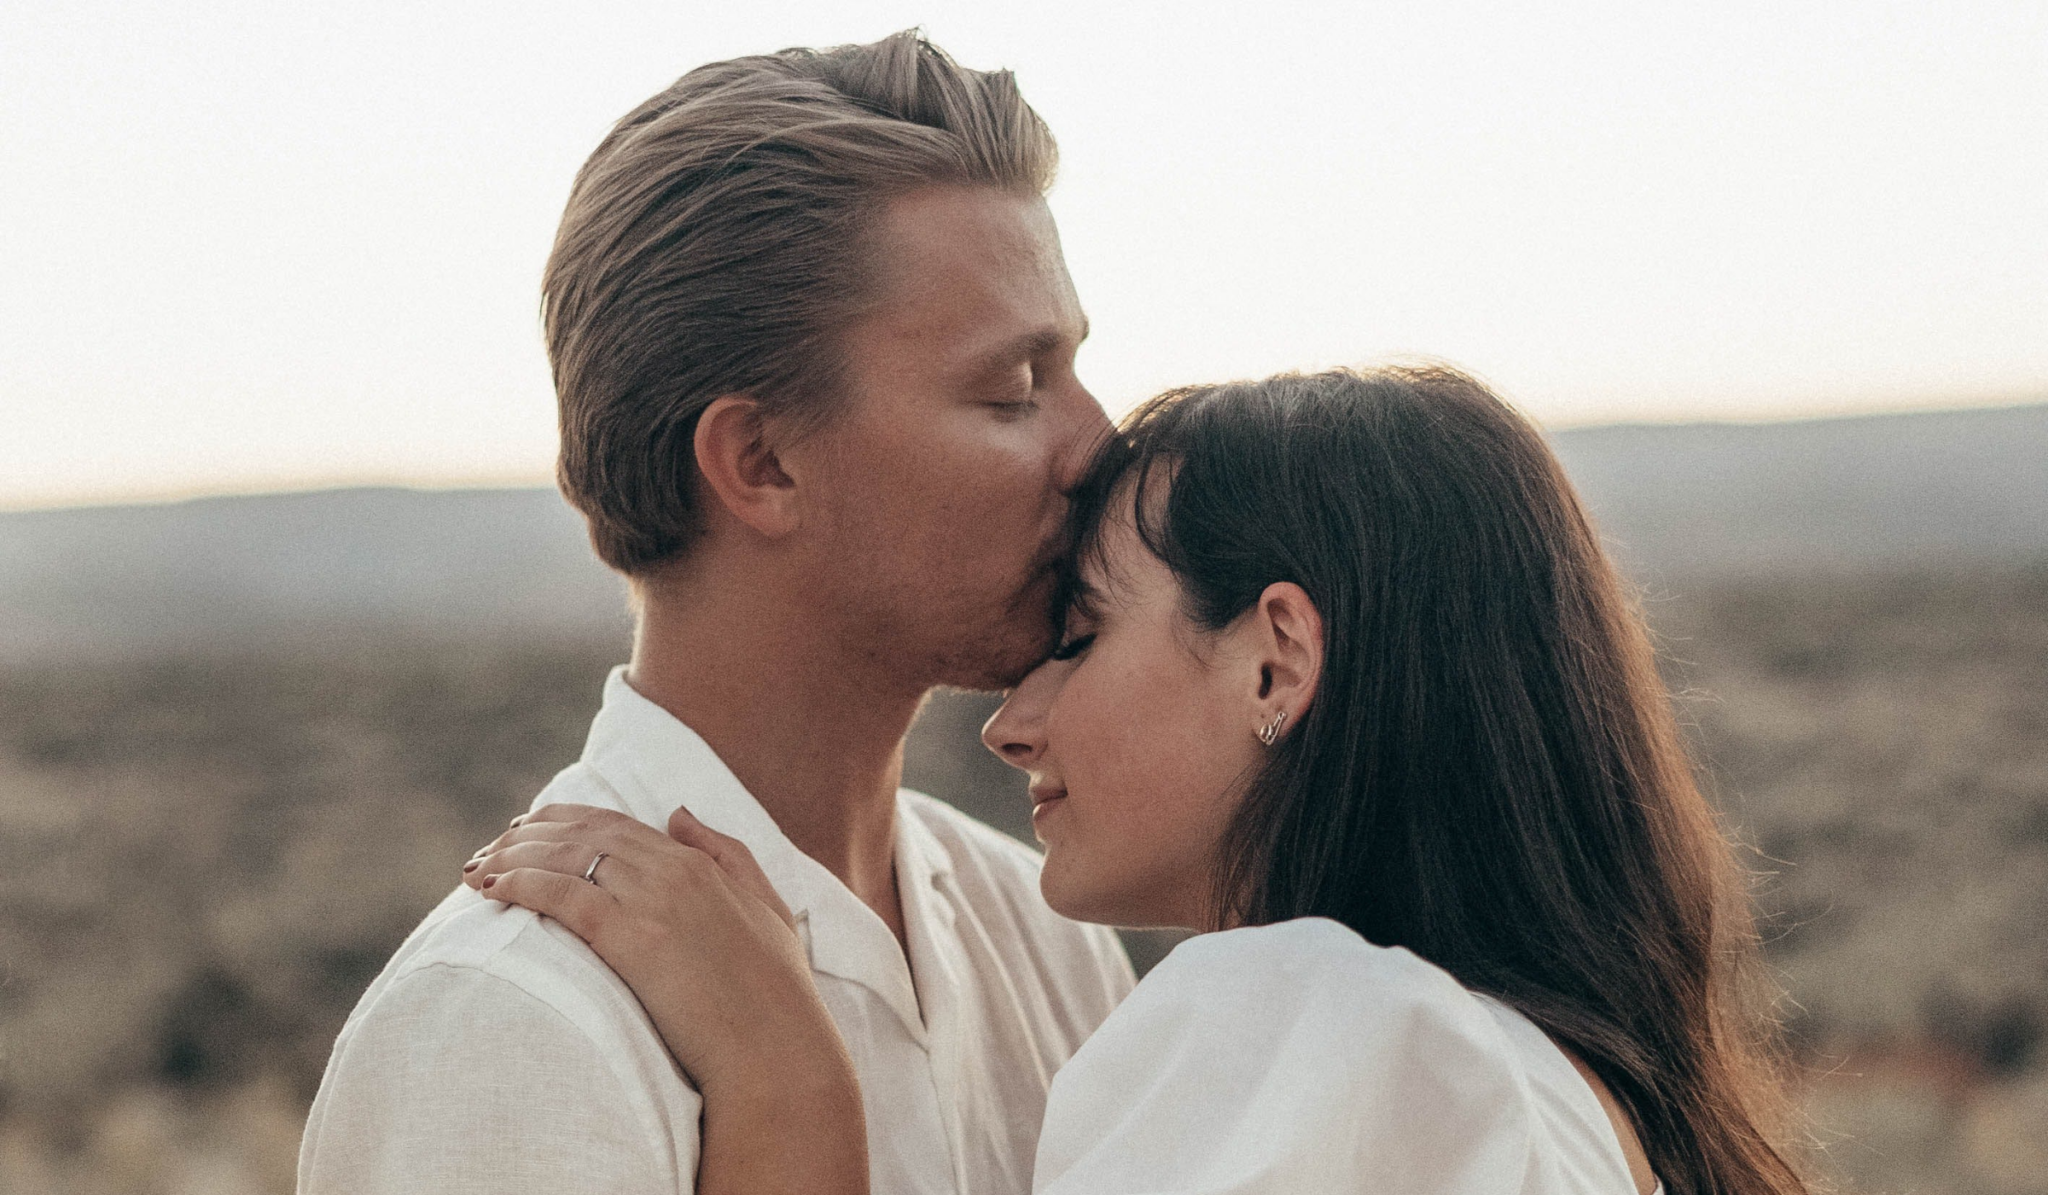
[714,244]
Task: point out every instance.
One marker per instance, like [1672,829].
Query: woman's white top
[1301,1058]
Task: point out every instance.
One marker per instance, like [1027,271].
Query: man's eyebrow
[1022,348]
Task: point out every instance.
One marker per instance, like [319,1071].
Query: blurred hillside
[1882,491]
[124,581]
[244,744]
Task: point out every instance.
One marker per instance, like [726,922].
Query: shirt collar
[653,762]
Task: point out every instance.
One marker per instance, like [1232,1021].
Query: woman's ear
[1289,631]
[737,459]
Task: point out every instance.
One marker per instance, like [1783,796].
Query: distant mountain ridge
[1677,502]
[1875,491]
[213,571]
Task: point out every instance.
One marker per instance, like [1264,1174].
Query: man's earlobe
[737,459]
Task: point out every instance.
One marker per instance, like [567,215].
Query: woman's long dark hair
[1490,773]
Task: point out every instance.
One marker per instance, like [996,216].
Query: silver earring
[1270,732]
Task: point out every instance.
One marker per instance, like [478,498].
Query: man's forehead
[977,268]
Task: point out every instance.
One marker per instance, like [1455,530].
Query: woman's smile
[1043,804]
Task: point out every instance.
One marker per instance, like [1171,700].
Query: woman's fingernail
[519,820]
[470,866]
[489,880]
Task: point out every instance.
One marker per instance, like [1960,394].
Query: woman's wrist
[785,1037]
[797,1087]
[786,1121]
[800,1055]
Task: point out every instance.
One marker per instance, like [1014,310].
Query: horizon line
[542,478]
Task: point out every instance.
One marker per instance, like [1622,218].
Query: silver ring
[590,872]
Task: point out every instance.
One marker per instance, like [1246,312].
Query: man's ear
[1288,632]
[736,457]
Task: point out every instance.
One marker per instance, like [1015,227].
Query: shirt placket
[936,971]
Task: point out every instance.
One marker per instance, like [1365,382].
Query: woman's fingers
[582,816]
[732,857]
[614,832]
[580,906]
[568,857]
[570,813]
[563,839]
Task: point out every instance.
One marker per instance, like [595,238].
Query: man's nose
[1090,427]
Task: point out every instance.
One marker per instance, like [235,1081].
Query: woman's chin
[1069,899]
[1077,899]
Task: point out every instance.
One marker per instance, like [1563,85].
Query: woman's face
[1138,735]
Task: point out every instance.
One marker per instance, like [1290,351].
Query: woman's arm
[693,926]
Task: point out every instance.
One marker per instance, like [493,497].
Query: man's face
[944,476]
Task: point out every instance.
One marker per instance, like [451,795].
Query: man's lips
[1041,797]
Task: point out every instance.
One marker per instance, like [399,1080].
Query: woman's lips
[1044,802]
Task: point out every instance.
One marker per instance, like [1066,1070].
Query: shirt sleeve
[459,1081]
[1284,1059]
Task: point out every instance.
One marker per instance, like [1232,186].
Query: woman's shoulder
[1381,1065]
[1302,944]
[1289,1057]
[1324,981]
[1313,968]
[1350,1005]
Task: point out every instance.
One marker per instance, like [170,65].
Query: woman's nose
[1017,731]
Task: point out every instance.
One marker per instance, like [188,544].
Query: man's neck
[815,740]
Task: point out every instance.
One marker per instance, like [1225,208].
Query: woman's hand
[691,923]
[687,919]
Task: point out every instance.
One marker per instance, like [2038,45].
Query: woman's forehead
[1112,553]
[1116,566]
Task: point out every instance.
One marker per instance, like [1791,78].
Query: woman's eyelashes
[1072,647]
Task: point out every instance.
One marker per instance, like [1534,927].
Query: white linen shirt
[497,1053]
[1298,1058]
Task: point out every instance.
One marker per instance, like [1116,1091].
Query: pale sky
[256,245]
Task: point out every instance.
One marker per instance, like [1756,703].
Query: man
[813,340]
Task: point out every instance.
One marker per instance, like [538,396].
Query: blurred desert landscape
[246,742]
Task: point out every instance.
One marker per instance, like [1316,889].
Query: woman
[1348,686]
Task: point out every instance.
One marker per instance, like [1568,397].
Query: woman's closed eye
[1072,646]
